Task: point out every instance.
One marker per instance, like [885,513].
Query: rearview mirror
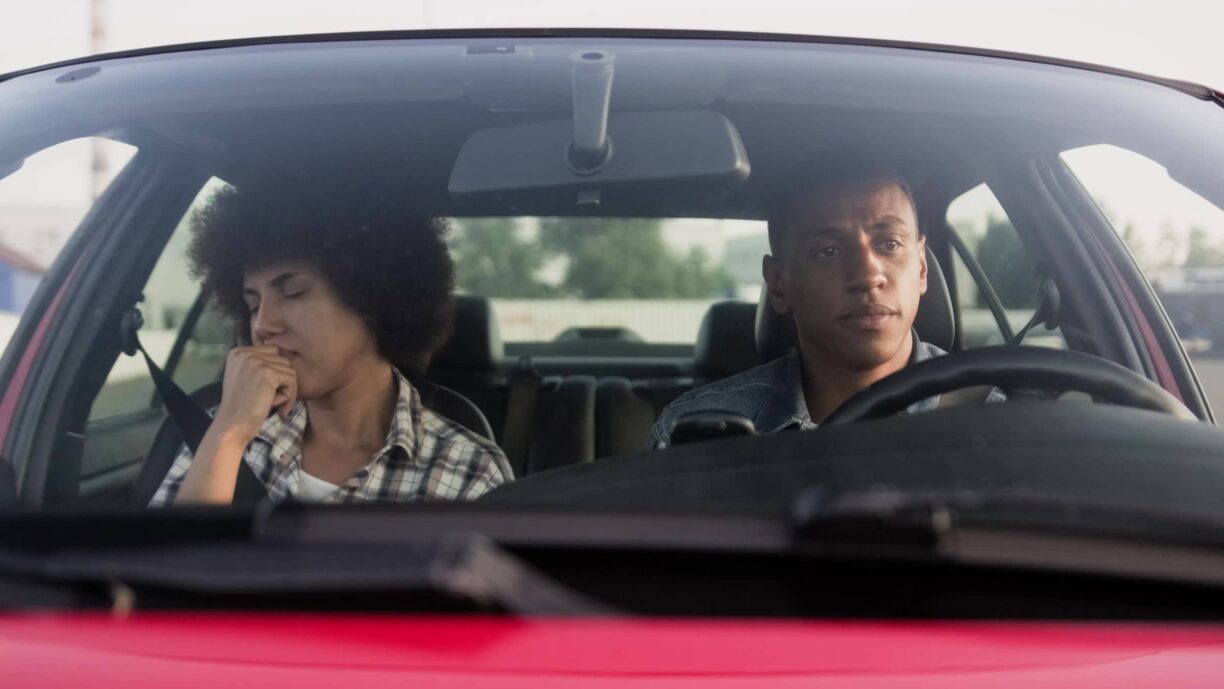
[650,149]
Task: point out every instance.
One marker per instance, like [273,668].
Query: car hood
[308,650]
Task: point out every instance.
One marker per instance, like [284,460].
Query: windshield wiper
[1028,530]
[454,572]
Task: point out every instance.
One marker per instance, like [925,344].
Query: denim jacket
[771,396]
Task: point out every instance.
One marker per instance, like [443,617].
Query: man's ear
[922,264]
[771,270]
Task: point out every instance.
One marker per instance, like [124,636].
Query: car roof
[942,112]
[1192,88]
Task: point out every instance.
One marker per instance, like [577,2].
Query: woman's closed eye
[294,289]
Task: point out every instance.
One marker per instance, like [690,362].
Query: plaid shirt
[426,457]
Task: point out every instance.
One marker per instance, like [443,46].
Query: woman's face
[293,307]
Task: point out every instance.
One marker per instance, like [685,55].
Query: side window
[203,354]
[1006,269]
[188,343]
[42,200]
[1175,235]
[169,296]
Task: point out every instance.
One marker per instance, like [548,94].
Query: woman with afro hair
[336,297]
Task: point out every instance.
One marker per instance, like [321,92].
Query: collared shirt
[771,396]
[426,457]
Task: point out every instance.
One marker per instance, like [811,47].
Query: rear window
[631,279]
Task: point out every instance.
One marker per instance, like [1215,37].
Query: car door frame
[1116,306]
[126,230]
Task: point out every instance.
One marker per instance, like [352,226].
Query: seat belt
[520,414]
[191,420]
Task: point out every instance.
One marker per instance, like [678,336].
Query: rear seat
[625,410]
[555,425]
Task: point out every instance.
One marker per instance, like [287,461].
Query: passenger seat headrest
[935,321]
[726,344]
[475,345]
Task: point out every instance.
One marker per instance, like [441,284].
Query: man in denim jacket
[849,264]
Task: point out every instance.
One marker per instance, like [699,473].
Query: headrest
[475,345]
[936,321]
[726,344]
[775,334]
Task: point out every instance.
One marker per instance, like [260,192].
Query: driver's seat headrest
[935,321]
[475,344]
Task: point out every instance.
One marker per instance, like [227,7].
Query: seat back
[726,343]
[562,424]
[626,410]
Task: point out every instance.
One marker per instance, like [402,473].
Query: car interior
[591,394]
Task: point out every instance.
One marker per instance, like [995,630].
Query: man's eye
[890,245]
[252,308]
[824,252]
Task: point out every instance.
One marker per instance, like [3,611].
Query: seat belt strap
[520,415]
[191,420]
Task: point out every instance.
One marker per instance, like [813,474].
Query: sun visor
[653,150]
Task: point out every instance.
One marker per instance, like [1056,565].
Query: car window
[184,337]
[42,200]
[1003,263]
[1175,235]
[650,280]
[169,296]
[351,151]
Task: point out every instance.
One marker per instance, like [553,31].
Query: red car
[607,194]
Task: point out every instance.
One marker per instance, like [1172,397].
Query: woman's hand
[257,380]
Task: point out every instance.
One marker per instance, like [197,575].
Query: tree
[615,258]
[1203,253]
[1005,259]
[602,258]
[492,258]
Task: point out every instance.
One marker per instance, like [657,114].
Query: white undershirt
[313,488]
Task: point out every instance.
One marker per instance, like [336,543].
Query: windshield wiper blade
[1013,529]
[463,567]
[885,515]
[923,517]
[868,518]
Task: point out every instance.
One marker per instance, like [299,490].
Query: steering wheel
[1008,367]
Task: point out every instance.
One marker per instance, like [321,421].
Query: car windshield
[513,269]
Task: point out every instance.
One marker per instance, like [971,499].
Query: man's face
[852,270]
[295,308]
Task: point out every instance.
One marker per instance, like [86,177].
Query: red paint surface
[1164,372]
[302,651]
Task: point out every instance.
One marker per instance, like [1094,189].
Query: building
[19,277]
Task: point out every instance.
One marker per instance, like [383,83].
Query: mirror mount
[591,78]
